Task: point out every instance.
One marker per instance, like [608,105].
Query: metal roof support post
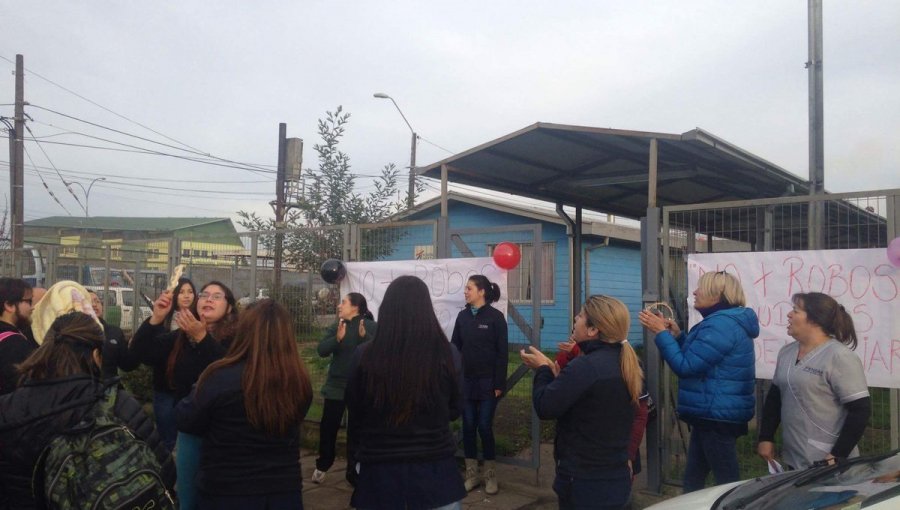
[650,248]
[650,294]
[577,262]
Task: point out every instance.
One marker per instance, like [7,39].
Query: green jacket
[342,354]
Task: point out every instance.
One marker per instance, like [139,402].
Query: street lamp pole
[87,193]
[411,193]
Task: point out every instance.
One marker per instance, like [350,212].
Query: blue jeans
[609,493]
[710,451]
[187,463]
[164,412]
[478,415]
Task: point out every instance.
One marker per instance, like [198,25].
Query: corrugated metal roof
[607,169]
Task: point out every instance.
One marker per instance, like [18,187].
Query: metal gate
[848,220]
[516,443]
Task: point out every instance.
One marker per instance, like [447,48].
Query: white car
[864,482]
[121,299]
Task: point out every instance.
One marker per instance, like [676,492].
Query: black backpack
[100,464]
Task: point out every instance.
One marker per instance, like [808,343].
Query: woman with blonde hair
[715,364]
[248,407]
[593,399]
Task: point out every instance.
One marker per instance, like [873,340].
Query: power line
[157,153]
[52,195]
[157,179]
[101,106]
[436,145]
[66,184]
[194,151]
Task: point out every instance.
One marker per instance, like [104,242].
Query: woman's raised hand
[362,328]
[161,307]
[653,322]
[341,330]
[193,328]
[534,358]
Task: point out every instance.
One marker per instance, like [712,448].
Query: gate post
[650,294]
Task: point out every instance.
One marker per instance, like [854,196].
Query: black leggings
[332,412]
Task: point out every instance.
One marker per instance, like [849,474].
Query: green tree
[329,199]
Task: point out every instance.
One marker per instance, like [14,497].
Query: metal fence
[849,220]
[132,274]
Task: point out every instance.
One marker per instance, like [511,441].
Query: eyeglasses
[218,296]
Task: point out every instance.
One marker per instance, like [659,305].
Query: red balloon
[507,255]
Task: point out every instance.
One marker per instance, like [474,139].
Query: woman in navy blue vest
[480,334]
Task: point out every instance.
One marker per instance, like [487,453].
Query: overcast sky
[220,76]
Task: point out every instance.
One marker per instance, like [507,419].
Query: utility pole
[279,209]
[411,195]
[816,126]
[17,177]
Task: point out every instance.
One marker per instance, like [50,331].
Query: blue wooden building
[611,257]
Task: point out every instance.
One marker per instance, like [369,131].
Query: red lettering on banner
[810,284]
[762,278]
[865,278]
[865,322]
[895,353]
[883,274]
[876,354]
[792,276]
[835,276]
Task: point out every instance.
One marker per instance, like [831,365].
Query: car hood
[694,500]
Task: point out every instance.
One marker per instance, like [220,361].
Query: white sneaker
[318,476]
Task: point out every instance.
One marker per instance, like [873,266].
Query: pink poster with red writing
[863,281]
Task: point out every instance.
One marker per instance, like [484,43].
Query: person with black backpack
[69,440]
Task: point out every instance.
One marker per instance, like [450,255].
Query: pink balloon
[507,255]
[893,252]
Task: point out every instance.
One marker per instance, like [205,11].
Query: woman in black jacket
[65,369]
[402,395]
[183,302]
[593,400]
[480,334]
[248,408]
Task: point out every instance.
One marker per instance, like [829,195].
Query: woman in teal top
[355,326]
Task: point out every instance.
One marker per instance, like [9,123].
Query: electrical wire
[157,179]
[52,195]
[436,145]
[190,150]
[61,178]
[103,107]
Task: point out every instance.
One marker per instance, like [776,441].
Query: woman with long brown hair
[402,396]
[593,399]
[248,407]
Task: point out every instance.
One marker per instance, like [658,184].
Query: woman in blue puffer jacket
[715,364]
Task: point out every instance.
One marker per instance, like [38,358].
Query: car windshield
[861,481]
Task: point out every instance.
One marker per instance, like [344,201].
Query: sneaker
[318,476]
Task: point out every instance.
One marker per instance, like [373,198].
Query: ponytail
[632,372]
[359,301]
[491,290]
[823,311]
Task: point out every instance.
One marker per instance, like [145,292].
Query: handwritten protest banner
[863,281]
[445,278]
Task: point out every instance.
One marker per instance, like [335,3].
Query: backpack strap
[7,334]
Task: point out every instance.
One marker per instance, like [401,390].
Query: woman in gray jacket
[355,326]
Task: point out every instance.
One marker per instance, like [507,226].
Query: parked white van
[118,306]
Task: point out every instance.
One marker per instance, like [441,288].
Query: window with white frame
[518,279]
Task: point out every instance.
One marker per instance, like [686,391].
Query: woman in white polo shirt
[819,393]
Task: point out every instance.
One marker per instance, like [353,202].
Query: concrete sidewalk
[520,489]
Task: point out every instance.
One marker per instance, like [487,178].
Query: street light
[87,193]
[410,197]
